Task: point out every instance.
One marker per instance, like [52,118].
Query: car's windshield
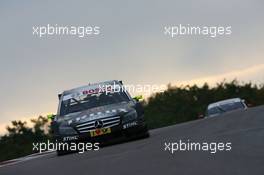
[225,107]
[213,111]
[232,106]
[88,101]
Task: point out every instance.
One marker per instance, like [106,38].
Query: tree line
[175,105]
[184,103]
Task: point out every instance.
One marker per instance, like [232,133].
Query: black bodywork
[126,120]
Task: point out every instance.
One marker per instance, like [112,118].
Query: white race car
[217,108]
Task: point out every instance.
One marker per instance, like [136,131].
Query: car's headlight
[130,116]
[67,130]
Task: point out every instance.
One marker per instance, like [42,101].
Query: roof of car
[222,102]
[90,86]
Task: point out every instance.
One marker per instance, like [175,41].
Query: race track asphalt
[244,129]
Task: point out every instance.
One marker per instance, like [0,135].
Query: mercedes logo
[98,124]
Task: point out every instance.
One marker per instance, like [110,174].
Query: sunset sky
[131,47]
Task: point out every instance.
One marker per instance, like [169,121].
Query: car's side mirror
[51,116]
[138,98]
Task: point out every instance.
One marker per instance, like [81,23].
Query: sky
[131,47]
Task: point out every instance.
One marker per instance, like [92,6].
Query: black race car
[98,113]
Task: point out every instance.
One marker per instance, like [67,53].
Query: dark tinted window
[232,106]
[85,102]
[213,111]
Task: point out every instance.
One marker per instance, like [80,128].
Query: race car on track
[97,113]
[217,108]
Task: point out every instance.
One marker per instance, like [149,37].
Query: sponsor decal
[98,115]
[97,89]
[70,138]
[129,125]
[99,132]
